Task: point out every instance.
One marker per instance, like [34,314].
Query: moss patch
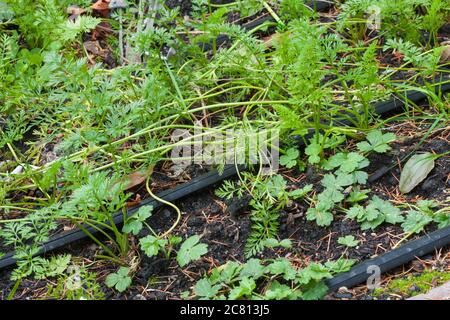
[421,283]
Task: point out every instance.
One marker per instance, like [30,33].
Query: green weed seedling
[77,283]
[268,280]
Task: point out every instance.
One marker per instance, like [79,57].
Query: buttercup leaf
[191,250]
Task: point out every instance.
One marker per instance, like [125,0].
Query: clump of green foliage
[76,284]
[268,197]
[406,18]
[275,279]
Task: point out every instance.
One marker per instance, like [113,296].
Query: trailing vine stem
[178,211]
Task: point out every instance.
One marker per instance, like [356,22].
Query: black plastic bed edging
[317,5]
[398,101]
[196,184]
[391,259]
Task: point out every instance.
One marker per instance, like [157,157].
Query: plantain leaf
[415,171]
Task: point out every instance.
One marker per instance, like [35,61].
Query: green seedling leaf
[300,193]
[335,161]
[426,206]
[191,250]
[289,160]
[315,290]
[144,213]
[375,213]
[119,280]
[152,245]
[204,289]
[132,226]
[415,222]
[372,224]
[313,151]
[6,12]
[135,223]
[356,212]
[245,289]
[272,243]
[340,265]
[286,243]
[347,162]
[320,214]
[330,181]
[276,185]
[333,141]
[359,177]
[415,171]
[57,265]
[376,141]
[278,291]
[357,195]
[230,271]
[315,271]
[283,267]
[330,194]
[391,213]
[175,240]
[348,241]
[253,269]
[372,213]
[71,29]
[442,219]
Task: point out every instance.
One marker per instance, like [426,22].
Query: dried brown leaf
[136,178]
[445,55]
[101,5]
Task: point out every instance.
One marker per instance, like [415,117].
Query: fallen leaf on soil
[136,178]
[94,48]
[132,56]
[73,9]
[270,40]
[415,171]
[101,5]
[134,202]
[445,55]
[117,4]
[67,228]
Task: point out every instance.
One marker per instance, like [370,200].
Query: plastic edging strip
[391,259]
[196,184]
[221,39]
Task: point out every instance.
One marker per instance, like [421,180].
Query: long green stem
[177,210]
